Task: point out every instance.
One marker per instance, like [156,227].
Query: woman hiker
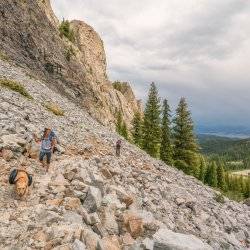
[48,142]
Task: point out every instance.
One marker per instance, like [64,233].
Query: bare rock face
[92,55]
[30,37]
[92,51]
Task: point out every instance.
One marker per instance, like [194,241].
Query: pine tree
[137,129]
[202,170]
[247,188]
[241,184]
[119,122]
[221,176]
[227,181]
[151,124]
[166,151]
[213,175]
[124,131]
[235,183]
[185,145]
[196,170]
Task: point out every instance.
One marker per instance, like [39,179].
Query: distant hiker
[118,148]
[48,142]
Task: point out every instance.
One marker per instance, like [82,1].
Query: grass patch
[117,85]
[66,31]
[233,195]
[3,57]
[16,87]
[219,198]
[54,108]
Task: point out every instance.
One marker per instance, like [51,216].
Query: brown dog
[22,183]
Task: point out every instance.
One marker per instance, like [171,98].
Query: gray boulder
[93,199]
[78,245]
[165,239]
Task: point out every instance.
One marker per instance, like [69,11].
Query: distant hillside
[240,132]
[230,149]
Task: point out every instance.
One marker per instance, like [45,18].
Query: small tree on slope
[137,129]
[185,145]
[211,175]
[119,122]
[202,169]
[166,151]
[221,176]
[124,131]
[151,124]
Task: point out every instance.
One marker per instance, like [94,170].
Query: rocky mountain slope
[91,199]
[30,37]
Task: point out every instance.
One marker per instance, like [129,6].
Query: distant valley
[234,151]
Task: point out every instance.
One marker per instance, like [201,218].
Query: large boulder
[133,224]
[109,221]
[13,142]
[90,238]
[122,195]
[78,245]
[72,203]
[109,243]
[165,239]
[93,199]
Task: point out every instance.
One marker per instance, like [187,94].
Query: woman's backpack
[12,176]
[30,179]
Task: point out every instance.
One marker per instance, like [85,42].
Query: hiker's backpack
[54,135]
[12,176]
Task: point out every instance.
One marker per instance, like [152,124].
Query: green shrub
[15,86]
[219,198]
[117,85]
[54,108]
[233,195]
[66,31]
[3,57]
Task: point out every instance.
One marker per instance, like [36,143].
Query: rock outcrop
[91,199]
[30,37]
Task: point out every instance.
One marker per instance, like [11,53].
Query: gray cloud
[199,49]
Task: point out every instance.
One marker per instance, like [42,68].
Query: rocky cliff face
[91,199]
[30,38]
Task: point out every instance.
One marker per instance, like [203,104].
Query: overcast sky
[199,49]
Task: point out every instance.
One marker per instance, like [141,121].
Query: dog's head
[21,186]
